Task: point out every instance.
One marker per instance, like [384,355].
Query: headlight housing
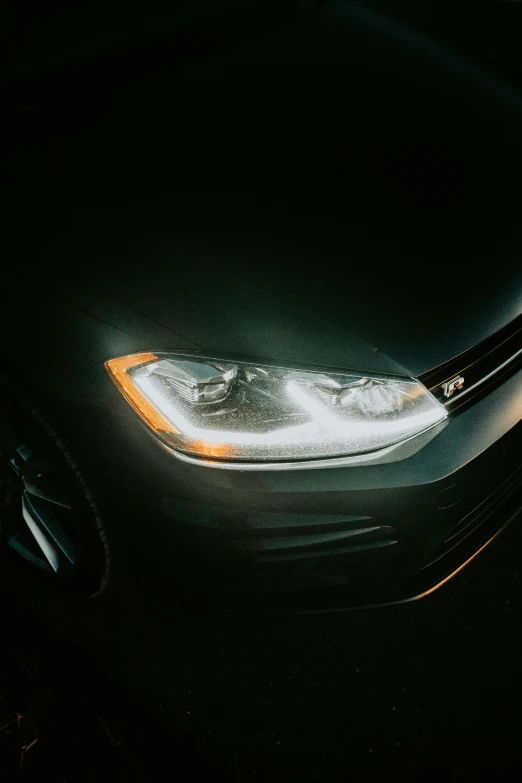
[239,412]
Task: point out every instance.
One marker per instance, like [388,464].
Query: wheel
[49,520]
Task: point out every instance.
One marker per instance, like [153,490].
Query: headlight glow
[211,409]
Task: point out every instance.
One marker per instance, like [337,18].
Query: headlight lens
[257,413]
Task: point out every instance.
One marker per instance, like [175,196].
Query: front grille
[476,369]
[470,533]
[305,558]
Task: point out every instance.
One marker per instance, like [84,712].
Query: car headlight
[218,410]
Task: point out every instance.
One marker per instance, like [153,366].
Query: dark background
[431,688]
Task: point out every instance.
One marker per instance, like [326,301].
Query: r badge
[450,387]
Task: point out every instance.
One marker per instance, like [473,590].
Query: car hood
[304,297]
[335,195]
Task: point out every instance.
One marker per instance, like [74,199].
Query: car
[261,325]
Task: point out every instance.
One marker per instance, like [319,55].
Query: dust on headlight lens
[243,412]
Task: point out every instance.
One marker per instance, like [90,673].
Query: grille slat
[475,519]
[317,543]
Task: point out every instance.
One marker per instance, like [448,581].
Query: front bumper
[313,539]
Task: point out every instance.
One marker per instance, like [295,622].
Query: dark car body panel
[339,194]
[240,535]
